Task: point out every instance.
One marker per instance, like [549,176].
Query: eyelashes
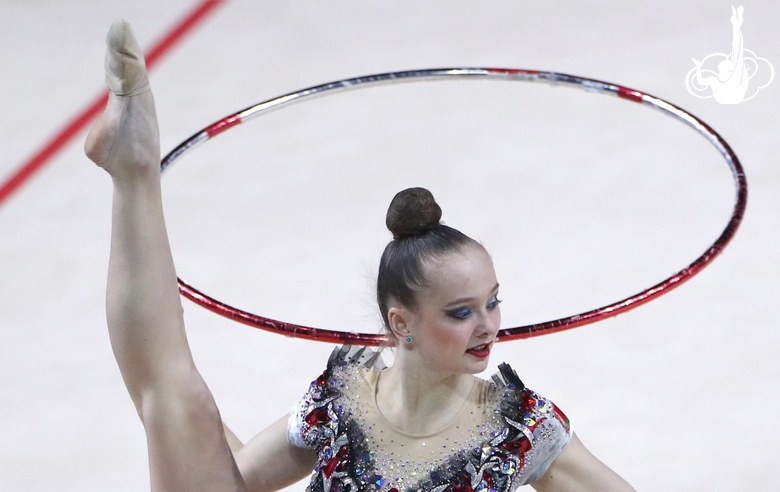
[494,302]
[460,313]
[463,313]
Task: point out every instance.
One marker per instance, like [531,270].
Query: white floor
[582,199]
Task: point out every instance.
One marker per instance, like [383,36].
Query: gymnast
[731,83]
[425,423]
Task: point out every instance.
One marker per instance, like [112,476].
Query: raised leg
[187,446]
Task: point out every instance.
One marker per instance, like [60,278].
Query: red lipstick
[480,351]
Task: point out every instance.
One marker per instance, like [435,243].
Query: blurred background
[582,199]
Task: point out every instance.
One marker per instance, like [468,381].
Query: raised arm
[187,446]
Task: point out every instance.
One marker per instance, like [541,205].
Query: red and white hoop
[621,306]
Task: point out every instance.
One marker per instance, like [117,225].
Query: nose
[489,325]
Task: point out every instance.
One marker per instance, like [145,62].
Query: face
[457,317]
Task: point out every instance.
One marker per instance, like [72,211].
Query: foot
[125,138]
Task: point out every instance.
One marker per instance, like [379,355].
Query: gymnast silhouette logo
[729,85]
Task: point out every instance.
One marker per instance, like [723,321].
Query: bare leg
[187,446]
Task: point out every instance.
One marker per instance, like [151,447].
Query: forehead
[467,272]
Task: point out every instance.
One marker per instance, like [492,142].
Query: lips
[480,351]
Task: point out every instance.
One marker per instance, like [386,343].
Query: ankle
[139,176]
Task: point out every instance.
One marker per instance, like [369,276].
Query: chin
[475,367]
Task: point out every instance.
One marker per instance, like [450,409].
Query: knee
[187,404]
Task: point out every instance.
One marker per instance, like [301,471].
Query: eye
[493,302]
[459,313]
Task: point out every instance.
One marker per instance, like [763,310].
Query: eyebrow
[463,300]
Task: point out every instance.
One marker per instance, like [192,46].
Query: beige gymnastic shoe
[125,138]
[125,65]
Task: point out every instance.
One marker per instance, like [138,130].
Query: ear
[398,320]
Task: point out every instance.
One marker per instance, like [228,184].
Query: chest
[366,452]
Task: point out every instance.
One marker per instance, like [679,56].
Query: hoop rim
[506,334]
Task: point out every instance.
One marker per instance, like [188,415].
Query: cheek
[441,335]
[446,337]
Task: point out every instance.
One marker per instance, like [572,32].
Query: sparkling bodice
[504,435]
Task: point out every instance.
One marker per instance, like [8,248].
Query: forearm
[577,470]
[268,462]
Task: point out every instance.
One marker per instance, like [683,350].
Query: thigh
[187,446]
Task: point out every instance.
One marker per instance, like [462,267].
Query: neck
[419,400]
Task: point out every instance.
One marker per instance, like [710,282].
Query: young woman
[426,423]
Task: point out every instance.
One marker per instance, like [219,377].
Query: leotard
[504,436]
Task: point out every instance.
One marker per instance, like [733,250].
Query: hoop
[527,331]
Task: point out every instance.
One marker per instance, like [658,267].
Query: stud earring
[408,339]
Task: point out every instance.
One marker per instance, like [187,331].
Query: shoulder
[536,430]
[316,418]
[345,363]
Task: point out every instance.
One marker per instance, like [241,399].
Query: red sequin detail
[465,486]
[522,445]
[528,402]
[317,416]
[488,480]
[328,470]
[322,380]
[343,458]
[338,463]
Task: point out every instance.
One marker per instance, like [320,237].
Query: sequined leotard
[504,436]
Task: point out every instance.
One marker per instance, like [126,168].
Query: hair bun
[411,212]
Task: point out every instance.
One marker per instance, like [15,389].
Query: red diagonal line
[81,120]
